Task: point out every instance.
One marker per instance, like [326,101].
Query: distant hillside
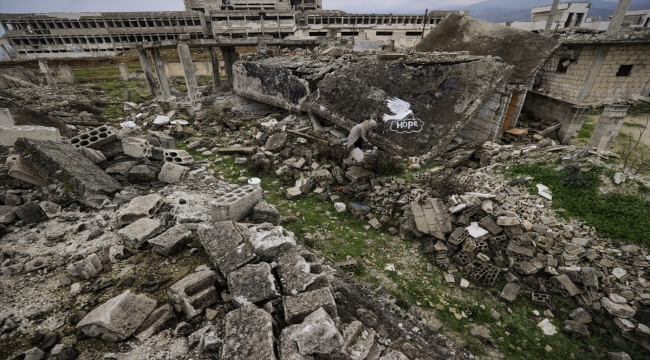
[517,10]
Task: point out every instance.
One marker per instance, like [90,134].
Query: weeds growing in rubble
[336,153]
[621,217]
[448,185]
[383,163]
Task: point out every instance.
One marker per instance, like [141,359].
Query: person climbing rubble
[358,133]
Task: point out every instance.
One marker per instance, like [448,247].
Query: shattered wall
[524,50]
[444,92]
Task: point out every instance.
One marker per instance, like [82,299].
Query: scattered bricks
[620,310]
[422,177]
[137,233]
[339,175]
[226,243]
[296,308]
[482,245]
[21,170]
[566,287]
[171,240]
[576,330]
[525,268]
[479,272]
[492,276]
[264,212]
[276,142]
[172,173]
[140,207]
[118,318]
[155,322]
[317,334]
[94,138]
[517,250]
[462,258]
[252,284]
[179,157]
[580,315]
[431,218]
[30,212]
[357,173]
[322,177]
[297,274]
[237,204]
[510,292]
[136,147]
[488,224]
[542,300]
[349,265]
[469,246]
[10,134]
[458,236]
[248,335]
[194,293]
[86,268]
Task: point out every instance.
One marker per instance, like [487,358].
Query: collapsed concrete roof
[444,91]
[525,50]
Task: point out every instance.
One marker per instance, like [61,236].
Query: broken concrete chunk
[287,348]
[359,342]
[118,318]
[7,214]
[296,308]
[510,292]
[264,212]
[136,147]
[155,322]
[30,212]
[276,142]
[86,268]
[140,207]
[222,237]
[297,274]
[194,293]
[357,173]
[10,134]
[248,335]
[60,162]
[270,241]
[21,170]
[172,173]
[317,334]
[252,284]
[576,329]
[171,240]
[620,310]
[236,258]
[431,218]
[137,233]
[394,355]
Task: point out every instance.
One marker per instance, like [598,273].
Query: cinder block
[194,293]
[172,173]
[168,242]
[236,205]
[136,147]
[180,157]
[94,138]
[136,234]
[140,207]
[9,134]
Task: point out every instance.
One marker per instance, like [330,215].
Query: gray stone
[93,155]
[171,240]
[620,310]
[252,284]
[117,318]
[30,212]
[50,209]
[264,212]
[317,334]
[431,218]
[287,348]
[394,355]
[172,173]
[140,174]
[194,293]
[76,174]
[86,268]
[155,322]
[140,207]
[359,342]
[276,142]
[22,170]
[166,141]
[510,292]
[236,205]
[565,285]
[270,241]
[227,244]
[576,329]
[236,258]
[580,315]
[297,274]
[138,232]
[296,308]
[357,173]
[7,214]
[618,356]
[248,335]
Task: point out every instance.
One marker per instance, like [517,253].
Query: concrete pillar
[261,48]
[160,73]
[572,124]
[48,76]
[5,53]
[617,18]
[608,126]
[148,74]
[551,17]
[190,74]
[66,75]
[594,71]
[124,72]
[216,71]
[646,89]
[230,56]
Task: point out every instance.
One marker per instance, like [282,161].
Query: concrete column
[572,124]
[230,56]
[594,70]
[160,73]
[646,89]
[608,126]
[7,57]
[148,74]
[261,48]
[617,18]
[190,74]
[551,18]
[48,76]
[216,71]
[124,72]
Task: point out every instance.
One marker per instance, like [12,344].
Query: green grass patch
[587,129]
[622,217]
[639,109]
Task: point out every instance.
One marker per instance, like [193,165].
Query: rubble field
[148,230]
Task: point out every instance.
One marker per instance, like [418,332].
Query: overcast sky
[362,6]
